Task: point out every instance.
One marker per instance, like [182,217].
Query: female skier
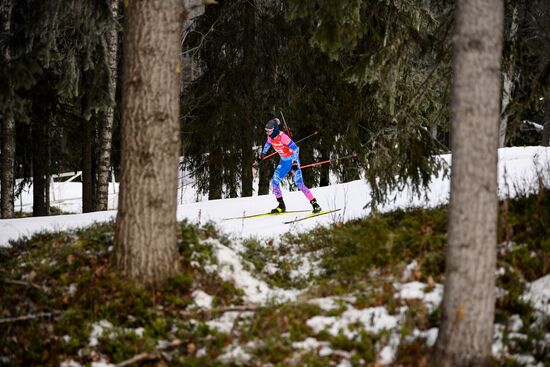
[290,162]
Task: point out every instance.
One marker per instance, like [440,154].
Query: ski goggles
[269,131]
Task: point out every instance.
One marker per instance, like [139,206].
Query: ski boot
[281,208]
[316,207]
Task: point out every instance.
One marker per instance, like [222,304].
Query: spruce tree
[394,53]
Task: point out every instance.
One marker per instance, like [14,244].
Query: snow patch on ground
[202,299]
[538,295]
[374,319]
[230,268]
[225,323]
[97,331]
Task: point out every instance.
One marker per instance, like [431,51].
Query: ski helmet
[273,126]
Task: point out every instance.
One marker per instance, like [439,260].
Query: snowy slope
[518,169]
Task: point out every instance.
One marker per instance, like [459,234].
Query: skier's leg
[299,181]
[280,172]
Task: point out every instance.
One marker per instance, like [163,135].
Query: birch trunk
[509,78]
[145,236]
[106,131]
[466,332]
[8,136]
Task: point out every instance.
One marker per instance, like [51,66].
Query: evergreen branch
[422,89]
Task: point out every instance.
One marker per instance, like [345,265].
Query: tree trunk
[265,172]
[247,128]
[8,135]
[546,128]
[466,332]
[145,236]
[503,126]
[509,76]
[214,173]
[307,156]
[40,169]
[325,168]
[246,167]
[87,167]
[106,131]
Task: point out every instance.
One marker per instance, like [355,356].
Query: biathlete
[289,162]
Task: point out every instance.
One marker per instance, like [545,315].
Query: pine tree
[145,235]
[466,331]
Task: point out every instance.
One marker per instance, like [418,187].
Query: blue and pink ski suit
[288,151]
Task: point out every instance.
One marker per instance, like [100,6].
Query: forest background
[373,79]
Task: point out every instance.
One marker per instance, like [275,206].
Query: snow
[518,169]
[230,268]
[374,319]
[309,344]
[70,363]
[202,299]
[97,331]
[237,354]
[416,290]
[325,303]
[409,270]
[538,294]
[225,322]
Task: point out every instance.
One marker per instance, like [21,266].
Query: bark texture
[325,169]
[466,332]
[146,250]
[8,135]
[40,164]
[265,173]
[215,172]
[546,128]
[247,138]
[88,192]
[106,131]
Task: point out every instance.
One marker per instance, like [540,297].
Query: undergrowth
[84,312]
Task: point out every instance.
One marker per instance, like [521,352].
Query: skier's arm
[267,145]
[257,161]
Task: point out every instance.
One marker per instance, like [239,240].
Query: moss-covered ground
[82,312]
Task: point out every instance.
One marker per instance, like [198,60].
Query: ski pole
[352,155]
[298,141]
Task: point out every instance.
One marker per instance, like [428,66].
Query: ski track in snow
[517,168]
